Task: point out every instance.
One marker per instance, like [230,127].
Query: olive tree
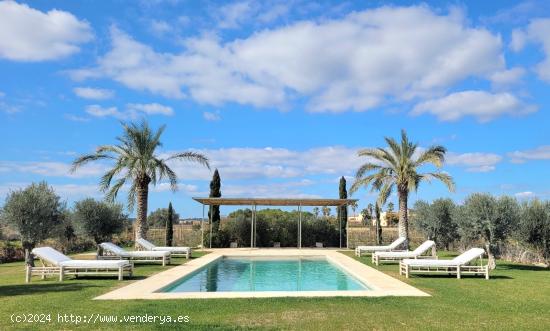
[98,219]
[158,218]
[488,219]
[534,229]
[436,221]
[35,212]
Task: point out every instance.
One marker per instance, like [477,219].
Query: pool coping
[379,283]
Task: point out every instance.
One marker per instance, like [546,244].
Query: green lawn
[517,297]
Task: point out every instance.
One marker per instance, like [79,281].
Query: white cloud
[163,187]
[525,195]
[70,191]
[539,153]
[9,109]
[93,93]
[27,34]
[98,111]
[482,105]
[160,27]
[52,169]
[273,190]
[76,118]
[132,111]
[538,31]
[474,162]
[507,78]
[232,15]
[356,62]
[211,116]
[150,109]
[273,12]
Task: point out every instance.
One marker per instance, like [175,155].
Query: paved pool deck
[380,284]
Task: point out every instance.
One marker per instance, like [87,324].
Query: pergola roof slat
[272,202]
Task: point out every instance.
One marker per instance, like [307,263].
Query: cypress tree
[169,225]
[215,192]
[342,212]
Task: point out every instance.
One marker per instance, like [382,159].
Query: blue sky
[278,94]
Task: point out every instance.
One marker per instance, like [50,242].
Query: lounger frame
[386,248]
[49,269]
[376,259]
[109,255]
[459,270]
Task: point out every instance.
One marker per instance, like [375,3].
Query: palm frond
[191,156]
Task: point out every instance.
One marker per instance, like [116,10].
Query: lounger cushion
[145,244]
[469,255]
[430,263]
[148,253]
[94,264]
[173,249]
[50,255]
[151,247]
[389,247]
[396,254]
[129,254]
[417,252]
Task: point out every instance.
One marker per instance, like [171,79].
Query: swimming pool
[257,274]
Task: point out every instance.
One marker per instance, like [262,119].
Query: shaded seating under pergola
[255,202]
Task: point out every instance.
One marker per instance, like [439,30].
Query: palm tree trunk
[141,219]
[403,216]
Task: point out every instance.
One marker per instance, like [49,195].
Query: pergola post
[210,222]
[202,228]
[255,223]
[300,227]
[252,228]
[340,224]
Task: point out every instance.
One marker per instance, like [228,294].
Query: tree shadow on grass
[521,267]
[31,289]
[444,276]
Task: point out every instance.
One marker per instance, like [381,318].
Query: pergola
[255,202]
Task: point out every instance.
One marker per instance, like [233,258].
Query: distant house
[358,219]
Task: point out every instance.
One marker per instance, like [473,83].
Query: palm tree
[397,168]
[136,163]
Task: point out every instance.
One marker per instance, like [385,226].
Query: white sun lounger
[113,252]
[460,265]
[175,251]
[418,253]
[371,249]
[54,262]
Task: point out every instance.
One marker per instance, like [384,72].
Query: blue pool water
[245,274]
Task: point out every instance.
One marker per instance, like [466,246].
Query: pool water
[246,274]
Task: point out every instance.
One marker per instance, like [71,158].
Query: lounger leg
[164,261]
[120,271]
[61,272]
[458,272]
[407,272]
[486,272]
[28,274]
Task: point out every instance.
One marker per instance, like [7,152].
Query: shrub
[436,221]
[534,229]
[34,212]
[157,218]
[485,218]
[97,219]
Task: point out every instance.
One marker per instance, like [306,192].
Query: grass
[516,298]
